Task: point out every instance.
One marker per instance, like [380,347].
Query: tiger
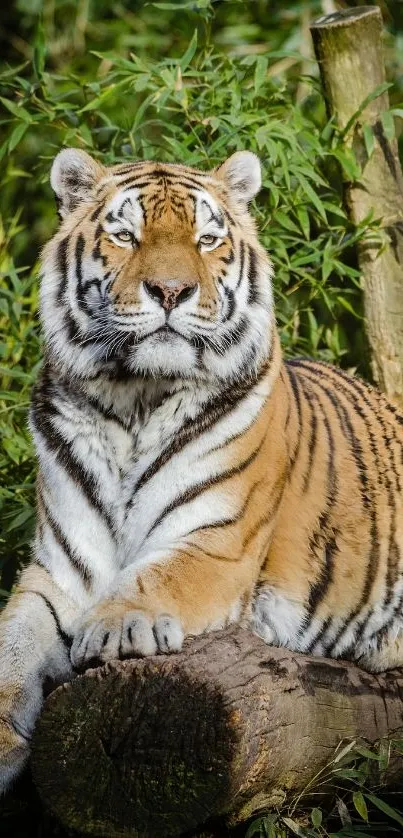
[189,477]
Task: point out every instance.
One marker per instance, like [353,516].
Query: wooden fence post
[348,48]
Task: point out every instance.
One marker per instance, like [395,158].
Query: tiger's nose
[169,293]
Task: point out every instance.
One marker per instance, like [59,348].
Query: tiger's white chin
[164,353]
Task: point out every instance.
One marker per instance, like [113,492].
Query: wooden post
[348,49]
[228,727]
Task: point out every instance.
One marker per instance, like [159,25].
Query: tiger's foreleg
[185,592]
[35,631]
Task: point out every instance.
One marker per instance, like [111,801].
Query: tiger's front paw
[131,634]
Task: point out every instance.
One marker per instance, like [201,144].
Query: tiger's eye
[124,236]
[207,239]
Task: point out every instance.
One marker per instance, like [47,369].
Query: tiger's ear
[242,175]
[73,176]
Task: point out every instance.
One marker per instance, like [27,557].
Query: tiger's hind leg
[34,647]
[382,651]
[276,618]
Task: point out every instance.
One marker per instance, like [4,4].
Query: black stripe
[65,545]
[241,264]
[267,517]
[230,296]
[253,293]
[317,638]
[323,543]
[42,412]
[122,206]
[80,293]
[66,638]
[108,413]
[297,401]
[230,218]
[129,184]
[313,433]
[198,489]
[62,267]
[234,334]
[234,519]
[97,212]
[96,251]
[160,179]
[213,411]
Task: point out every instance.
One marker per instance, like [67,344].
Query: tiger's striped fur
[188,476]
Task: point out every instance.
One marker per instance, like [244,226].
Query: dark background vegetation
[190,81]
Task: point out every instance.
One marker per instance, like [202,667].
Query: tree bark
[230,726]
[348,48]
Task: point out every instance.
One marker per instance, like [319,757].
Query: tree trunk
[349,52]
[230,726]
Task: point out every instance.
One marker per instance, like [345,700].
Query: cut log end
[226,728]
[346,17]
[141,746]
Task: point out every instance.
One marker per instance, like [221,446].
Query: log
[348,49]
[229,727]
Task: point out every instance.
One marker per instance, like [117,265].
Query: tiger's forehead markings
[142,176]
[195,206]
[176,174]
[124,210]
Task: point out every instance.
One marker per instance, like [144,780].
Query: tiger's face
[156,270]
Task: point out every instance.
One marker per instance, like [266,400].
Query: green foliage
[340,801]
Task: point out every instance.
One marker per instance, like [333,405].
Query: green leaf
[388,124]
[187,57]
[106,94]
[85,133]
[16,110]
[345,751]
[365,752]
[369,140]
[17,135]
[21,519]
[39,51]
[262,63]
[379,89]
[360,805]
[385,808]
[303,218]
[348,162]
[316,817]
[314,198]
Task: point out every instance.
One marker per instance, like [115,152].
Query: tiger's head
[156,270]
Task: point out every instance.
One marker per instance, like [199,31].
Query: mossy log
[348,47]
[229,727]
